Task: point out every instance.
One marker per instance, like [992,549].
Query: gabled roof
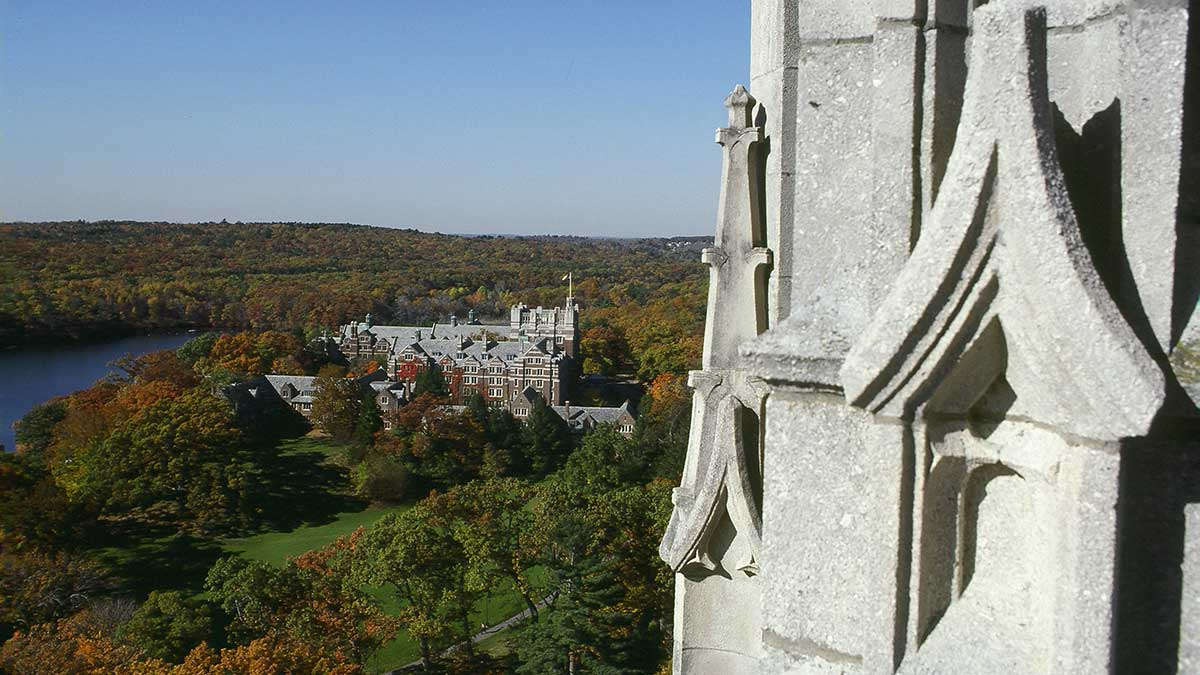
[472,330]
[437,330]
[580,416]
[302,383]
[507,351]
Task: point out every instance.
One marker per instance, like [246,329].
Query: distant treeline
[70,281]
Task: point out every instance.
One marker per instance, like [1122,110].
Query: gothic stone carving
[715,528]
[964,385]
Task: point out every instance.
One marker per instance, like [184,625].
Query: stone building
[297,391]
[560,325]
[534,350]
[937,429]
[579,419]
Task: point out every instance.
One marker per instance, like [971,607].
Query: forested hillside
[446,519]
[80,280]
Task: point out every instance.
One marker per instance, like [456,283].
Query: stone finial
[740,104]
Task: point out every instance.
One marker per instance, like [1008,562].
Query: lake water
[31,376]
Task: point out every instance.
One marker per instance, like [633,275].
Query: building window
[383,400]
[627,428]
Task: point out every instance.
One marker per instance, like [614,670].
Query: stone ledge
[792,356]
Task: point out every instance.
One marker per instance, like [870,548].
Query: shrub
[167,626]
[381,478]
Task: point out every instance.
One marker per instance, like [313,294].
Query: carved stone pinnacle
[740,104]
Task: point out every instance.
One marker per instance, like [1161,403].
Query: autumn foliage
[79,645]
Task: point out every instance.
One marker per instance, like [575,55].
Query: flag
[565,276]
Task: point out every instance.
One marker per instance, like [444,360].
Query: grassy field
[277,547]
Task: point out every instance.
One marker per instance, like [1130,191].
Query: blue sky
[457,116]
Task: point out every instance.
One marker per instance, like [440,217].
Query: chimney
[568,406]
[453,320]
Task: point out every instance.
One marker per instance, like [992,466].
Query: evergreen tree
[584,630]
[477,407]
[370,421]
[430,381]
[504,454]
[546,439]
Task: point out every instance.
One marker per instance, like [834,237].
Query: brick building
[535,350]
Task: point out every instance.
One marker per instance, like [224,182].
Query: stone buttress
[938,428]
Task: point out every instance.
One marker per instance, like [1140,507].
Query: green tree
[34,511]
[197,348]
[429,380]
[441,448]
[585,629]
[546,439]
[416,553]
[309,600]
[477,407]
[253,594]
[495,530]
[337,407]
[370,421]
[168,625]
[333,370]
[381,477]
[604,350]
[34,432]
[605,460]
[599,547]
[180,458]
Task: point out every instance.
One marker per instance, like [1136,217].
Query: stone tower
[559,324]
[937,428]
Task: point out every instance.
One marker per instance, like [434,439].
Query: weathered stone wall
[937,428]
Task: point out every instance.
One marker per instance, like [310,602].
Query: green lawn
[276,547]
[310,443]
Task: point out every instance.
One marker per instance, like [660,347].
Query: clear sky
[480,116]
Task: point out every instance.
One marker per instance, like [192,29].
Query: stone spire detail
[737,290]
[715,528]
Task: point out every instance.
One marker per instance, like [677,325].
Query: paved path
[481,635]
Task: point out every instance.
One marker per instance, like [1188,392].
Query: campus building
[535,350]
